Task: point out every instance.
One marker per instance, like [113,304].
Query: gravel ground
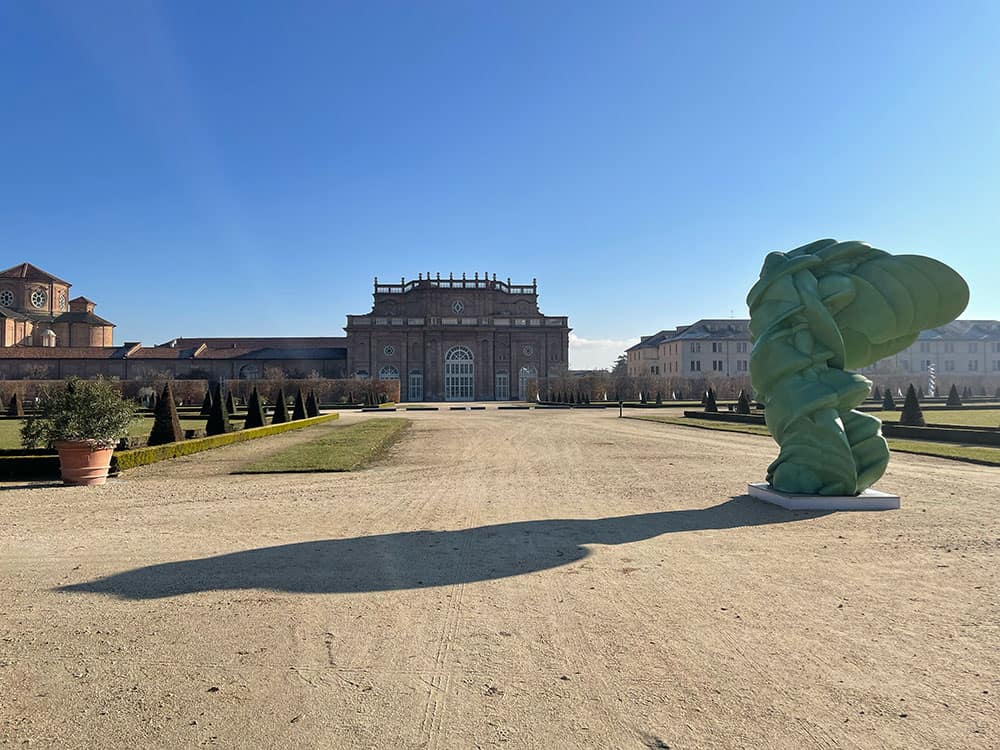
[503,579]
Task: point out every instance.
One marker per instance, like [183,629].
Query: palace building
[443,339]
[457,339]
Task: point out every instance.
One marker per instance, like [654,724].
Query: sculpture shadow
[424,559]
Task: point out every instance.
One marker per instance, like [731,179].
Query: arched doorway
[459,372]
[526,374]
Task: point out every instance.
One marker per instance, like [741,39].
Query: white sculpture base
[867,500]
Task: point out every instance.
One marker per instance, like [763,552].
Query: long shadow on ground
[421,559]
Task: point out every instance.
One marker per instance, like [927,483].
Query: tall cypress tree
[743,403]
[299,410]
[16,407]
[206,404]
[911,413]
[166,425]
[218,420]
[710,404]
[280,408]
[230,403]
[888,404]
[312,405]
[255,411]
[953,397]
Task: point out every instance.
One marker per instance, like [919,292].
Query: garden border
[46,466]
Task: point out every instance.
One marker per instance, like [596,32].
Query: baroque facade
[457,339]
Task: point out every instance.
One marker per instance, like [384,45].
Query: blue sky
[238,168]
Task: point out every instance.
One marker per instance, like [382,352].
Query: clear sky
[239,168]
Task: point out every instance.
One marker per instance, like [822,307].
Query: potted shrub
[83,420]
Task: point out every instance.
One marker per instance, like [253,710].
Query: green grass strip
[142,456]
[343,449]
[973,454]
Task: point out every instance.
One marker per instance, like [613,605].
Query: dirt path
[505,579]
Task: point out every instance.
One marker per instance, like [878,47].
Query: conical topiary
[710,404]
[299,410]
[166,425]
[911,413]
[206,404]
[312,405]
[230,404]
[659,398]
[888,404]
[876,394]
[255,411]
[920,393]
[15,408]
[743,403]
[218,420]
[280,408]
[953,397]
[967,392]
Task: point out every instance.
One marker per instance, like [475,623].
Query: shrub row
[125,460]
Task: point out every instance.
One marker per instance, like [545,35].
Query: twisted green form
[818,311]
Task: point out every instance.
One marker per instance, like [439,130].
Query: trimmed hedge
[29,464]
[124,460]
[44,464]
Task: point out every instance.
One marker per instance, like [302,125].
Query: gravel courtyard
[502,579]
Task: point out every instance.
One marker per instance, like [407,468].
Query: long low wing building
[962,351]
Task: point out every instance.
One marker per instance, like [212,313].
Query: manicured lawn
[972,417]
[960,452]
[344,448]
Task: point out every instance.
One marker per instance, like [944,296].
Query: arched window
[388,373]
[459,374]
[526,374]
[249,372]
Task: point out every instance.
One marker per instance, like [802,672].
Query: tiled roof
[653,341]
[252,342]
[199,352]
[6,312]
[161,352]
[62,352]
[82,317]
[30,273]
[972,330]
[713,328]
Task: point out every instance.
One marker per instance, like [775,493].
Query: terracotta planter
[83,462]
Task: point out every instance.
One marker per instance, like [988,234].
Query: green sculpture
[817,312]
